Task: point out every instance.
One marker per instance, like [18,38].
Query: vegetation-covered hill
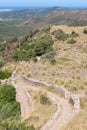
[20,22]
[62,49]
[11,29]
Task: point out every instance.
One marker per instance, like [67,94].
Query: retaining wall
[73,98]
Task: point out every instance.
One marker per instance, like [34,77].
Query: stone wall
[73,98]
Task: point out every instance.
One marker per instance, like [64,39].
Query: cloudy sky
[41,3]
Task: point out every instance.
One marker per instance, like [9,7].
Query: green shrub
[71,41]
[8,105]
[14,124]
[5,74]
[44,99]
[74,34]
[40,46]
[60,35]
[43,44]
[85,31]
[7,94]
[49,56]
[10,110]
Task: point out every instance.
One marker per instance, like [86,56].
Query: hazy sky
[43,3]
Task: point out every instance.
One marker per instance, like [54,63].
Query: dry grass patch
[41,112]
[72,84]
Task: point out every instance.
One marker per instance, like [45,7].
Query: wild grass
[42,111]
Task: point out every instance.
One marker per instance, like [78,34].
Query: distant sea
[21,8]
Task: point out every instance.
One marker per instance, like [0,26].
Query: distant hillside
[28,13]
[59,17]
[52,15]
[20,22]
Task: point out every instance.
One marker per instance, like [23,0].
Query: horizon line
[38,7]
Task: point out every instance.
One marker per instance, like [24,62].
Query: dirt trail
[25,100]
[27,105]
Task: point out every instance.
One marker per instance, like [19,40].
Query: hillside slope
[56,55]
[65,60]
[58,18]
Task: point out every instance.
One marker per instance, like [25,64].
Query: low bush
[74,34]
[44,99]
[85,31]
[20,55]
[71,41]
[60,35]
[49,56]
[5,74]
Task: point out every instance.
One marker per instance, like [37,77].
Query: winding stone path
[25,100]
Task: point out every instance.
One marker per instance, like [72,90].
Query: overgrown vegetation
[5,74]
[37,42]
[8,105]
[14,124]
[10,110]
[31,48]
